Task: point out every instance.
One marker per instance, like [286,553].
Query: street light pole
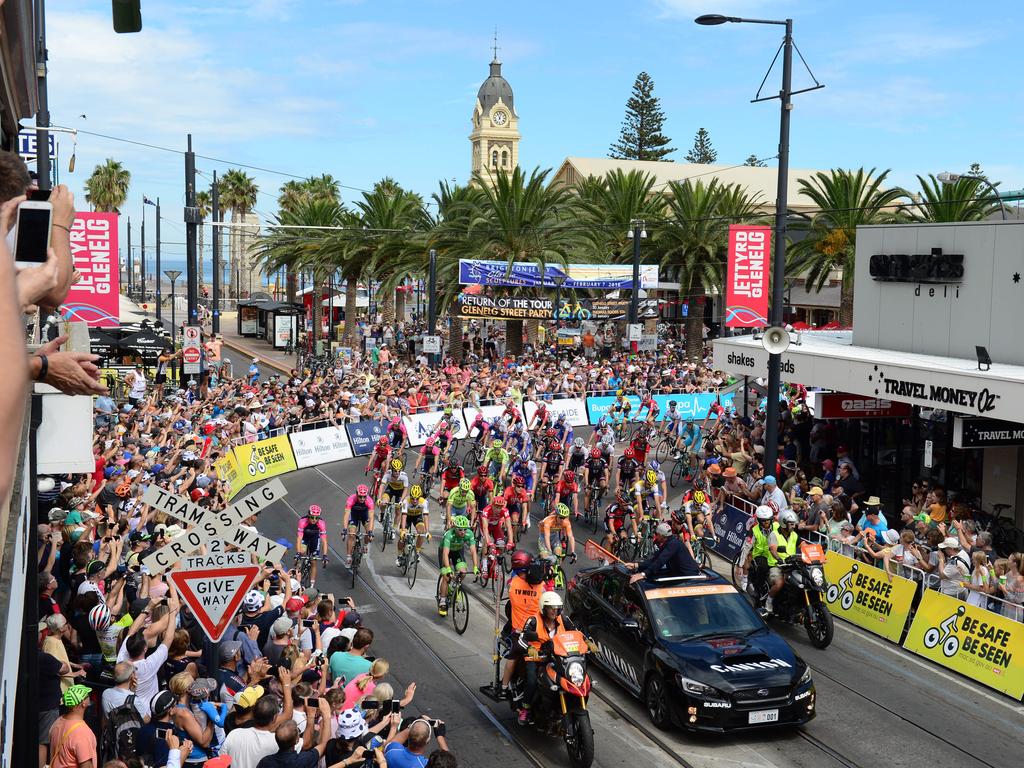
[636,233]
[951,178]
[215,214]
[173,275]
[159,316]
[432,298]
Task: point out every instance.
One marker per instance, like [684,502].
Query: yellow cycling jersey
[416,508]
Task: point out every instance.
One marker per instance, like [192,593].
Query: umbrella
[104,343]
[145,344]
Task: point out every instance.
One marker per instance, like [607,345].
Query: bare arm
[15,384]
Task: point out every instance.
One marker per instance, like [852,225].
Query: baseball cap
[282,626]
[161,703]
[295,604]
[249,696]
[228,650]
[75,695]
[57,515]
[202,687]
[348,633]
[220,761]
[769,480]
[663,529]
[352,619]
[815,491]
[950,542]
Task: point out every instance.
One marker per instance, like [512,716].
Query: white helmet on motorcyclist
[764,512]
[788,517]
[550,600]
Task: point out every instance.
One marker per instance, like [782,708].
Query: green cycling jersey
[496,454]
[455,543]
[459,498]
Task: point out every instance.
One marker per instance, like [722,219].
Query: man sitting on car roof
[670,558]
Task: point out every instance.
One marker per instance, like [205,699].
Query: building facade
[495,135]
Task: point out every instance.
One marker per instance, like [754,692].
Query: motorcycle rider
[761,558]
[524,591]
[782,545]
[537,633]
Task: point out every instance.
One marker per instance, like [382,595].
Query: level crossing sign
[209,526]
[214,594]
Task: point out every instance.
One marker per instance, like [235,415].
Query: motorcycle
[801,601]
[563,688]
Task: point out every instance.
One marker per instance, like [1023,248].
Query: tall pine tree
[702,151]
[755,162]
[641,137]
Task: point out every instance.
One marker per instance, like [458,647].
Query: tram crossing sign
[209,525]
[214,594]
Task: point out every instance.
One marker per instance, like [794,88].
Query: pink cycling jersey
[353,500]
[433,449]
[320,525]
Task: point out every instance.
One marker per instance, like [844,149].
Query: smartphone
[308,623]
[32,233]
[40,195]
[272,670]
[162,731]
[367,753]
[312,701]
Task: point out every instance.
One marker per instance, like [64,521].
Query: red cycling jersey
[451,476]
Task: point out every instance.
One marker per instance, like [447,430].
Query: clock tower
[495,135]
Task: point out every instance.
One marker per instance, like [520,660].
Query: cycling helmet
[671,403]
[595,453]
[699,498]
[570,475]
[430,442]
[764,512]
[563,510]
[464,485]
[525,456]
[521,559]
[99,617]
[496,444]
[481,470]
[550,600]
[362,490]
[499,502]
[655,465]
[447,410]
[125,489]
[619,393]
[620,498]
[252,601]
[396,421]
[443,425]
[518,428]
[396,465]
[510,401]
[578,442]
[461,522]
[518,482]
[651,477]
[602,422]
[788,517]
[629,453]
[560,419]
[314,510]
[550,433]
[382,441]
[497,422]
[416,492]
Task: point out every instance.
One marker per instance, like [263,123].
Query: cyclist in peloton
[451,554]
[482,486]
[551,466]
[567,491]
[647,402]
[496,461]
[627,468]
[394,484]
[511,413]
[621,409]
[415,515]
[576,455]
[541,418]
[615,517]
[450,477]
[311,539]
[479,428]
[559,519]
[379,456]
[398,436]
[518,499]
[498,429]
[518,439]
[648,497]
[673,422]
[496,525]
[640,444]
[563,431]
[427,458]
[461,501]
[359,510]
[595,471]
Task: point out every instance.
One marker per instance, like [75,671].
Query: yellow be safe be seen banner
[264,459]
[864,595]
[227,470]
[974,641]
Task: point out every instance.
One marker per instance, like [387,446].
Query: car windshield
[688,613]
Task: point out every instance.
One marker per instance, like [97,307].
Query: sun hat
[75,695]
[249,696]
[890,536]
[351,724]
[873,501]
[815,491]
[950,542]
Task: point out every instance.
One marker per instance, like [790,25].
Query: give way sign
[214,594]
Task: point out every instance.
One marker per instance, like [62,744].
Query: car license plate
[764,716]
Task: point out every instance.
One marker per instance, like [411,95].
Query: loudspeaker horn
[775,340]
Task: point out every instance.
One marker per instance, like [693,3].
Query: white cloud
[899,104]
[897,40]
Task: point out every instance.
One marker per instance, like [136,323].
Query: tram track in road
[619,711]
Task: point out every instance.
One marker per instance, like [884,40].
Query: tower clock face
[500,118]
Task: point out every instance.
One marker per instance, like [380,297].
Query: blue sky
[369,88]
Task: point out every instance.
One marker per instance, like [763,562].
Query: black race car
[692,649]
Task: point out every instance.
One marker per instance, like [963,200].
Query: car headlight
[576,673]
[695,686]
[805,678]
[818,576]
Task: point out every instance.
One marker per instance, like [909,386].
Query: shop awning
[831,361]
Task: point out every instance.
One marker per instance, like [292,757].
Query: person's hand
[171,739]
[63,203]
[74,373]
[9,213]
[410,691]
[36,282]
[285,675]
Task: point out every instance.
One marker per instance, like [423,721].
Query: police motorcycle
[801,601]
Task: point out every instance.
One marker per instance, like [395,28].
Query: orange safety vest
[542,631]
[524,598]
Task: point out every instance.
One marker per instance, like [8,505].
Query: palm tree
[845,200]
[237,194]
[107,188]
[610,204]
[315,249]
[203,208]
[691,242]
[966,199]
[522,219]
[293,193]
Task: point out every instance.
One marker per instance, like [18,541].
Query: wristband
[61,226]
[44,367]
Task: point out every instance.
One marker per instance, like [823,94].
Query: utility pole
[191,232]
[159,295]
[43,111]
[432,298]
[131,265]
[142,263]
[215,214]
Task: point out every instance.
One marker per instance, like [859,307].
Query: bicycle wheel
[404,568]
[356,557]
[412,568]
[661,452]
[459,608]
[676,476]
[385,534]
[498,581]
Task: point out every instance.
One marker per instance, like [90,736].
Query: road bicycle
[410,559]
[664,448]
[304,567]
[592,512]
[357,553]
[493,571]
[474,455]
[680,470]
[458,601]
[387,522]
[426,480]
[701,546]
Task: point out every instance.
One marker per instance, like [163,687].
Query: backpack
[121,736]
